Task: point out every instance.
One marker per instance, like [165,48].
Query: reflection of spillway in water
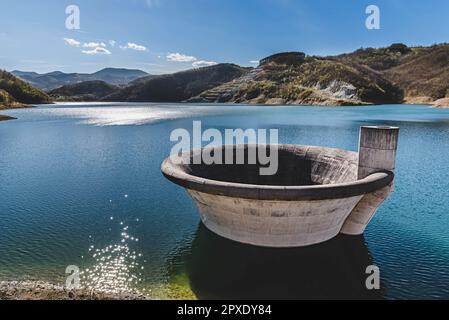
[219,268]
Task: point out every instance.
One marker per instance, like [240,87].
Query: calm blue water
[75,176]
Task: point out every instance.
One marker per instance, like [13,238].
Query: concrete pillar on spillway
[377,152]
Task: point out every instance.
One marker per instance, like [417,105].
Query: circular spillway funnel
[306,201]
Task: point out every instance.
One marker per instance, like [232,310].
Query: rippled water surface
[80,185]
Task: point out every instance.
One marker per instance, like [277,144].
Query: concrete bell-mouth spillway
[316,193]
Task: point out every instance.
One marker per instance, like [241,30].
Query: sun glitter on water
[116,268]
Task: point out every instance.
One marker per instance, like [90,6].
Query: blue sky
[160,36]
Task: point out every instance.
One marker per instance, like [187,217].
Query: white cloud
[202,63]
[134,46]
[72,42]
[94,44]
[112,43]
[254,62]
[178,57]
[97,50]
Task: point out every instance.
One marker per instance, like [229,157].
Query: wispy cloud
[112,43]
[178,57]
[254,62]
[202,63]
[72,42]
[97,50]
[94,44]
[91,48]
[134,46]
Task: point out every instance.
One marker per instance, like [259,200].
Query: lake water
[80,185]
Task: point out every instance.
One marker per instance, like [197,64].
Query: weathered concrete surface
[305,173]
[316,193]
[274,223]
[377,152]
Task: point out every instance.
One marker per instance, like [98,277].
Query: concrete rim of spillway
[180,175]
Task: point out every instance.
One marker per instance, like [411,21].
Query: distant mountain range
[395,74]
[56,79]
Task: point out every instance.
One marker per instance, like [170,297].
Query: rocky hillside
[15,92]
[294,78]
[422,73]
[83,91]
[179,86]
[394,74]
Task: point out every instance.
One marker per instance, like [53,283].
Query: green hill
[15,92]
[179,86]
[83,91]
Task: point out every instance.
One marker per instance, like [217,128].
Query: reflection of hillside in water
[218,268]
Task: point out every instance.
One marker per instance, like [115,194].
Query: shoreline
[6,118]
[41,290]
[438,104]
[405,103]
[12,107]
[15,106]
